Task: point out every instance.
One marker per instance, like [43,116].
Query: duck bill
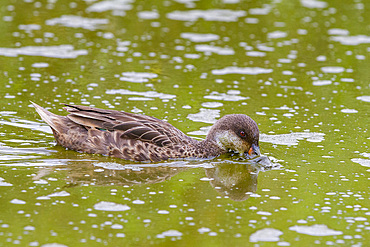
[253,152]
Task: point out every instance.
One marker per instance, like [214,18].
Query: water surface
[298,68]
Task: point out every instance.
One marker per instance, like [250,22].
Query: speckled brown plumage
[143,138]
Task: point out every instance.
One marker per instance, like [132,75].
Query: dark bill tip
[253,152]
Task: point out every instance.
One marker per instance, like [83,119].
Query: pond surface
[299,68]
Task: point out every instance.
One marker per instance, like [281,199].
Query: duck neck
[211,147]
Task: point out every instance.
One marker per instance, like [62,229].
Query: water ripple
[78,22]
[150,94]
[214,49]
[118,7]
[352,40]
[315,230]
[58,51]
[241,70]
[205,116]
[200,37]
[225,15]
[292,138]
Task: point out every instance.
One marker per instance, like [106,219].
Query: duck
[143,138]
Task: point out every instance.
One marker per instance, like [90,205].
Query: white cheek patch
[229,140]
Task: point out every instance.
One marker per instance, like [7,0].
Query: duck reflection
[104,174]
[233,178]
[235,181]
[238,181]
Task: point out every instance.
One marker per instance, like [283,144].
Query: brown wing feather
[131,126]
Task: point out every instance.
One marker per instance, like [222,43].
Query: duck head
[236,132]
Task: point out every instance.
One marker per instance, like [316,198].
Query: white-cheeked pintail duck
[143,138]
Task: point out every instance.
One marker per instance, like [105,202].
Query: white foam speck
[292,138]
[61,51]
[349,111]
[204,230]
[5,184]
[7,113]
[110,206]
[43,198]
[17,201]
[214,49]
[41,181]
[277,35]
[314,4]
[365,155]
[266,235]
[338,31]
[78,22]
[53,245]
[140,74]
[138,202]
[321,58]
[260,11]
[364,98]
[241,70]
[2,183]
[332,69]
[274,197]
[360,219]
[56,194]
[264,213]
[352,40]
[251,20]
[59,194]
[40,65]
[118,7]
[363,162]
[169,233]
[117,226]
[29,27]
[136,110]
[29,228]
[163,212]
[233,92]
[255,53]
[224,96]
[139,98]
[262,47]
[212,104]
[202,132]
[205,116]
[35,75]
[137,77]
[347,79]
[321,83]
[315,230]
[150,94]
[200,37]
[148,15]
[191,55]
[225,15]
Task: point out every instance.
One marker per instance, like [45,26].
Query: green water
[300,69]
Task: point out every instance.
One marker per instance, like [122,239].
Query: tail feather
[48,117]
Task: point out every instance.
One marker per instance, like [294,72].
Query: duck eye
[242,133]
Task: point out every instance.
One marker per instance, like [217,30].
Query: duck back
[120,134]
